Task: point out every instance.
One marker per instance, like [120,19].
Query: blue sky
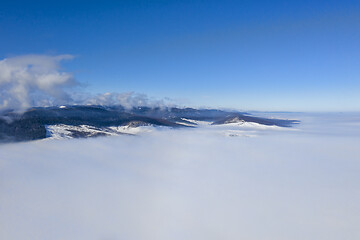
[251,55]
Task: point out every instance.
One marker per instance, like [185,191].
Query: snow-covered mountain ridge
[92,121]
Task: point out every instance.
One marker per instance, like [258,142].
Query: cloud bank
[184,184]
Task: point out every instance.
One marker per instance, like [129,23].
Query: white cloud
[33,80]
[37,80]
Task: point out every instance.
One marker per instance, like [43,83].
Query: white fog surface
[259,183]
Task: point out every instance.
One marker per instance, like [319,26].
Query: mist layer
[184,184]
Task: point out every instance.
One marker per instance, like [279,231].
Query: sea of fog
[204,183]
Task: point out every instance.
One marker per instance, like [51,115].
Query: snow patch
[197,122]
[253,125]
[62,131]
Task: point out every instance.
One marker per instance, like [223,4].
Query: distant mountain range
[89,121]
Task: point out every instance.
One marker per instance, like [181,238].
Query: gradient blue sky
[251,55]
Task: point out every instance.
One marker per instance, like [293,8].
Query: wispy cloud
[125,99]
